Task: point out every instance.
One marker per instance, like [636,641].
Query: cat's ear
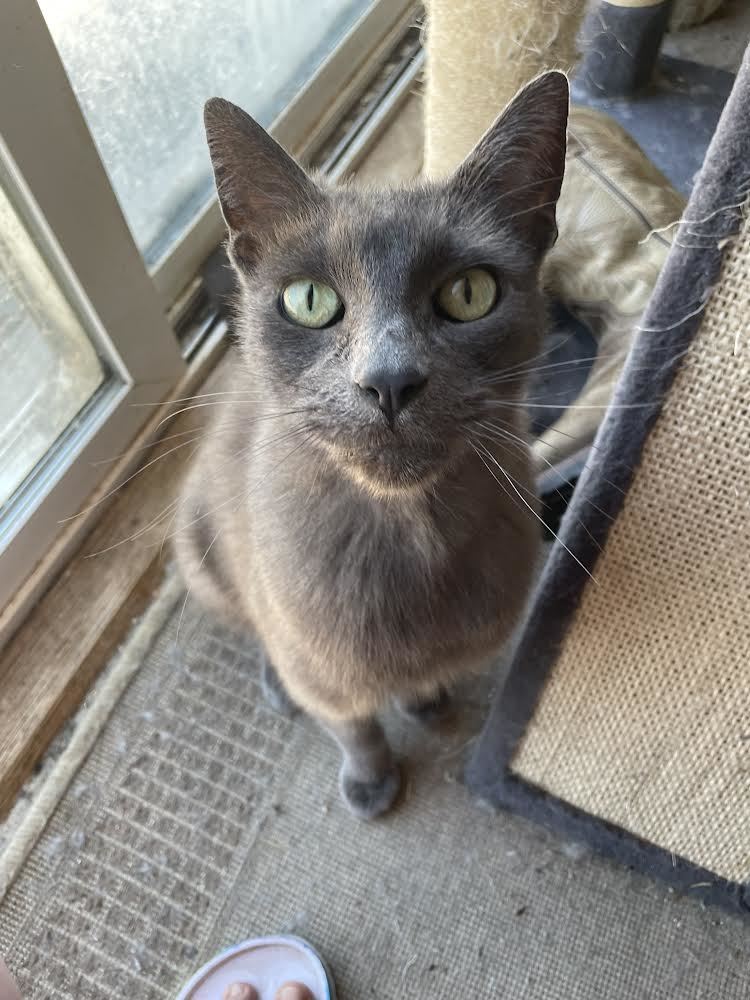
[258,183]
[516,168]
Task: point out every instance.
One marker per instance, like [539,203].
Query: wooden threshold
[50,662]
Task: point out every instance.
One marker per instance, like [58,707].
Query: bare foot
[289,991]
[293,991]
[240,991]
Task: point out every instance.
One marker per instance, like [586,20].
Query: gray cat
[365,502]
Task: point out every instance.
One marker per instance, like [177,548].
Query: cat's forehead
[402,235]
[398,237]
[395,239]
[381,224]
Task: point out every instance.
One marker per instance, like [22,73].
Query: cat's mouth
[392,465]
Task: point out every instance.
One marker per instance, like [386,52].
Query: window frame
[62,189]
[301,128]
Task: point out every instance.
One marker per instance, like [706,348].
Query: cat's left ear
[258,183]
[516,169]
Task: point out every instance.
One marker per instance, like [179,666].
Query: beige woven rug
[200,817]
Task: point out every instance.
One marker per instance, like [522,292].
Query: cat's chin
[385,489]
[385,473]
[385,480]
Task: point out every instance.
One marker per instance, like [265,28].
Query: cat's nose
[392,390]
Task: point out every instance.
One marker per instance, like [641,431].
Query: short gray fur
[358,486]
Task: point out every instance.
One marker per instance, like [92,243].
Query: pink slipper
[265,963]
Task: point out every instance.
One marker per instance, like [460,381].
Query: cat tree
[623,720]
[603,267]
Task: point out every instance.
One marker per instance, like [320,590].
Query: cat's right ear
[516,169]
[258,183]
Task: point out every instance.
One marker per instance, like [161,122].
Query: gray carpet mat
[201,818]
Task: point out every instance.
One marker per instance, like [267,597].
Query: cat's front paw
[369,799]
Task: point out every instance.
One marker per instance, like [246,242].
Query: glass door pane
[49,368]
[142,71]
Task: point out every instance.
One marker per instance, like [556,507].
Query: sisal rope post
[479,54]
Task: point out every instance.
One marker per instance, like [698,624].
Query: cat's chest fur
[387,584]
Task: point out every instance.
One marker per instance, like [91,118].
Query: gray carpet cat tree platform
[625,719]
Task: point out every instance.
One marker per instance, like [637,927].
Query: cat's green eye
[311,303]
[468,295]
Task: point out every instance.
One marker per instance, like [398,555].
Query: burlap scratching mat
[625,719]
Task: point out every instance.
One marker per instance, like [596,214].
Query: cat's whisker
[501,436]
[506,433]
[198,406]
[316,476]
[502,485]
[523,373]
[525,211]
[168,528]
[240,454]
[189,587]
[138,471]
[189,399]
[571,364]
[243,453]
[216,431]
[156,459]
[441,502]
[567,482]
[129,479]
[512,483]
[510,192]
[160,517]
[153,444]
[215,428]
[308,436]
[557,394]
[537,357]
[570,406]
[541,182]
[514,372]
[592,445]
